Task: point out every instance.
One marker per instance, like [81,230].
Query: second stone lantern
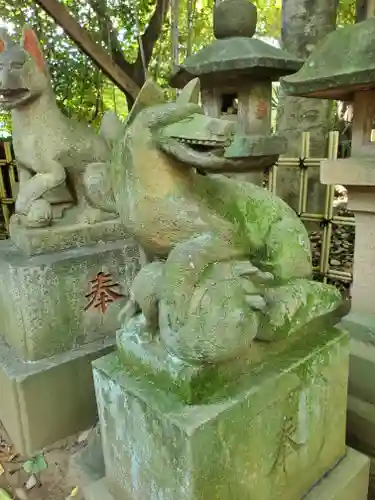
[236,73]
[342,67]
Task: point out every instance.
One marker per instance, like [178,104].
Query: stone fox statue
[235,260]
[52,151]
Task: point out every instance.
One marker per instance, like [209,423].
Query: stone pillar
[358,175]
[362,202]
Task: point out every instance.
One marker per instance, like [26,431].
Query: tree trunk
[305,23]
[361,10]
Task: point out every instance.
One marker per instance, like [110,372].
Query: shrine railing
[8,185]
[332,244]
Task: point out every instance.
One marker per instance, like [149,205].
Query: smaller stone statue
[53,152]
[234,260]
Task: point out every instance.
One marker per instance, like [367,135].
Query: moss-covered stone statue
[233,261]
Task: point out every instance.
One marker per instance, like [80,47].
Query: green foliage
[35,465]
[346,13]
[82,91]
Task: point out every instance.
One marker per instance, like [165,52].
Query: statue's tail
[96,177]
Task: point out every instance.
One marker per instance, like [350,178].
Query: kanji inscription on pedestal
[103,292]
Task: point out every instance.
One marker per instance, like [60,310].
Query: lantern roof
[341,64]
[235,52]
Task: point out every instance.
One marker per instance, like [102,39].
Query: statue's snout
[7,80]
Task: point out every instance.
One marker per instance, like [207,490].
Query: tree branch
[110,35]
[152,32]
[81,37]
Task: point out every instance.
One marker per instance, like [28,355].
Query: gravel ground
[55,481]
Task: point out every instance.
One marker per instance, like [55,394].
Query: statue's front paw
[256,302]
[253,282]
[246,269]
[39,215]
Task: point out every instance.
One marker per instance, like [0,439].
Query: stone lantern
[236,73]
[342,67]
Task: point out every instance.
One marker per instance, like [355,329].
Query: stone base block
[361,328]
[347,481]
[99,491]
[270,434]
[87,465]
[48,400]
[56,302]
[361,401]
[63,236]
[361,425]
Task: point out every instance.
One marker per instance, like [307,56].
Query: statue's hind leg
[211,296]
[185,266]
[221,317]
[296,299]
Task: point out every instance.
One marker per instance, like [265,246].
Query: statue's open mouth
[204,146]
[213,145]
[10,98]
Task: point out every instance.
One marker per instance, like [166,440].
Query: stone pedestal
[358,175]
[50,399]
[270,430]
[347,481]
[59,311]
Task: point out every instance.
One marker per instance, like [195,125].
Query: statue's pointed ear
[30,44]
[149,95]
[190,93]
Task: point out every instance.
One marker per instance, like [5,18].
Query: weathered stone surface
[99,491]
[50,399]
[348,172]
[235,53]
[326,73]
[43,298]
[235,18]
[248,56]
[270,434]
[243,146]
[361,401]
[87,465]
[192,382]
[361,328]
[347,481]
[62,236]
[361,425]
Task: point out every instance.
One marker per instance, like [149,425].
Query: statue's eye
[1,66]
[17,65]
